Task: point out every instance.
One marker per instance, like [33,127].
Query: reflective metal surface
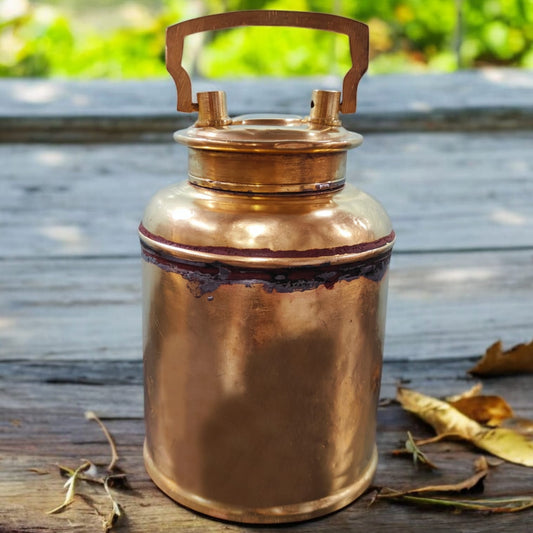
[264,323]
[261,400]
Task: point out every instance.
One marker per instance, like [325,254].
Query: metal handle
[357,33]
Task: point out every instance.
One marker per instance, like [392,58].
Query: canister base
[268,515]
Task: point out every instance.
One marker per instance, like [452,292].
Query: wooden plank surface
[461,278]
[460,275]
[71,111]
[42,424]
[443,191]
[440,305]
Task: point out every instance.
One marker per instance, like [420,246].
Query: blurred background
[125,38]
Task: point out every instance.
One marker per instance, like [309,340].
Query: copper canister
[265,285]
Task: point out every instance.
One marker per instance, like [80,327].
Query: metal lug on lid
[212,109]
[325,107]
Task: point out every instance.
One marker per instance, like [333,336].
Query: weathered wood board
[460,275]
[458,189]
[443,191]
[72,111]
[440,305]
[42,424]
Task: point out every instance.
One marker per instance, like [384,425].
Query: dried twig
[39,471]
[438,438]
[116,511]
[119,481]
[88,471]
[91,415]
[385,402]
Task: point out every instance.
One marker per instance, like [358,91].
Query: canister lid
[321,131]
[268,153]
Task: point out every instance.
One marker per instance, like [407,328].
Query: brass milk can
[265,285]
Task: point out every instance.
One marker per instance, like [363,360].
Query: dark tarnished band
[207,277]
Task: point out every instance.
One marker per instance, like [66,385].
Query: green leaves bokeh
[125,39]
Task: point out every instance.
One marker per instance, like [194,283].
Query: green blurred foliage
[125,39]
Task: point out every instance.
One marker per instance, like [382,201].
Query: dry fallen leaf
[470,393]
[495,362]
[523,426]
[487,505]
[88,471]
[441,495]
[71,488]
[481,464]
[488,410]
[504,443]
[472,484]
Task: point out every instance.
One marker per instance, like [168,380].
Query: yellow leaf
[504,443]
[71,490]
[520,425]
[473,391]
[495,362]
[489,410]
[441,415]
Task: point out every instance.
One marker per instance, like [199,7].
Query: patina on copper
[264,286]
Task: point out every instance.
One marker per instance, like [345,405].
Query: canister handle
[357,33]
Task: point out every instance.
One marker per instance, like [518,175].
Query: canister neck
[267,173]
[268,153]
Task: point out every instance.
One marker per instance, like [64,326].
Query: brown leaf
[472,484]
[433,495]
[488,410]
[497,363]
[481,464]
[510,504]
[504,443]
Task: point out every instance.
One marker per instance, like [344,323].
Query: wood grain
[47,427]
[112,387]
[444,191]
[70,310]
[440,305]
[73,111]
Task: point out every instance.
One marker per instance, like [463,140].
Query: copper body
[265,282]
